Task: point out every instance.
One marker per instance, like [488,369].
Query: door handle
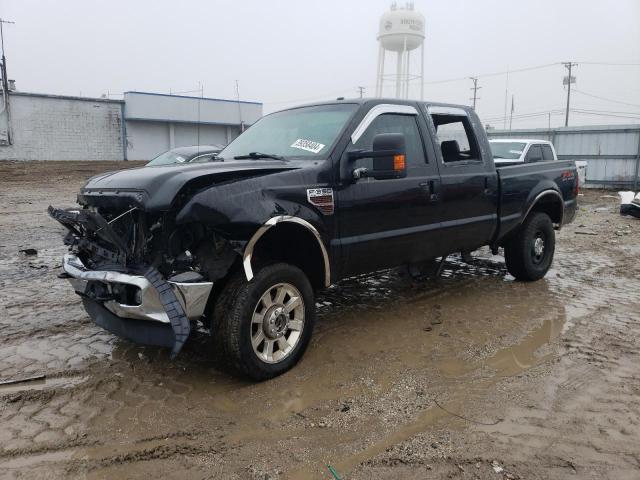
[430,188]
[487,191]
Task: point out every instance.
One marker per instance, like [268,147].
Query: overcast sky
[295,51]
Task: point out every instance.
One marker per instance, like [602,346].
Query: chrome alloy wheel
[538,248]
[277,323]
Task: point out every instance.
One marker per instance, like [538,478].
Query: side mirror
[388,156]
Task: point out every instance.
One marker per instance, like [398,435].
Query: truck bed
[519,185]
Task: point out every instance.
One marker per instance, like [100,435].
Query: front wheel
[530,253]
[264,326]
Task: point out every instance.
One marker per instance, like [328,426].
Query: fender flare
[543,194]
[272,222]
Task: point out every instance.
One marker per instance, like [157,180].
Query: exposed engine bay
[143,266]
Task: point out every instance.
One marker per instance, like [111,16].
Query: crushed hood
[154,188]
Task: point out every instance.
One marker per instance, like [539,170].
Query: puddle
[455,331]
[507,361]
[522,356]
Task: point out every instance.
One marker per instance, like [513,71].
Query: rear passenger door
[469,184]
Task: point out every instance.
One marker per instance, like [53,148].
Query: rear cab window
[534,154]
[547,153]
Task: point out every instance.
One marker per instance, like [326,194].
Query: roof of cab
[397,101]
[522,140]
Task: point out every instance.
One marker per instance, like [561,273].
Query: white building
[156,122]
[139,127]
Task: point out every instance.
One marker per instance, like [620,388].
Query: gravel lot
[473,376]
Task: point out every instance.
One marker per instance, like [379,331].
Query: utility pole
[568,80]
[361,89]
[239,107]
[201,88]
[5,82]
[511,115]
[475,89]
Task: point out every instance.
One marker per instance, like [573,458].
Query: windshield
[306,132]
[167,158]
[507,150]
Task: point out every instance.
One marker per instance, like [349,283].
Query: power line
[433,82]
[605,99]
[632,115]
[361,89]
[612,64]
[579,111]
[493,74]
[524,115]
[447,80]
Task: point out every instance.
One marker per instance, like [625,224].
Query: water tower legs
[406,74]
[380,79]
[399,72]
[422,72]
[403,74]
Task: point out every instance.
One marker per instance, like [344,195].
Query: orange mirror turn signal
[398,162]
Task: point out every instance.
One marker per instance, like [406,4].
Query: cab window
[547,153]
[456,138]
[393,123]
[534,154]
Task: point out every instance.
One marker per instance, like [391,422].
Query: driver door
[386,223]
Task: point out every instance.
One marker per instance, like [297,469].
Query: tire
[529,254]
[235,329]
[424,270]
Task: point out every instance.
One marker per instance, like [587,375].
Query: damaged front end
[141,276]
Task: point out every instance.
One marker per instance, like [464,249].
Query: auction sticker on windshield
[308,145]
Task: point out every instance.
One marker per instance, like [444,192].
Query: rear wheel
[530,253]
[424,270]
[264,326]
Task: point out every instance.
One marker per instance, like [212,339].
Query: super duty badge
[321,198]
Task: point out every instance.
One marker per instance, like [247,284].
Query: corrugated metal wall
[612,152]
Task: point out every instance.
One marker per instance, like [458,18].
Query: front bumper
[158,314]
[192,296]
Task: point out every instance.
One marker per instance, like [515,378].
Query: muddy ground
[473,376]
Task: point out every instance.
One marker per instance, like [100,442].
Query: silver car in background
[192,154]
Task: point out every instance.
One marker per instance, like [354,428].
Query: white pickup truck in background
[514,151]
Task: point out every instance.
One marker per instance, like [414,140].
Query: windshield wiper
[258,155]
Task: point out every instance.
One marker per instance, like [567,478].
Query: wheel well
[294,244]
[551,205]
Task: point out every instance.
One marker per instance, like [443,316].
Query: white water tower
[401,31]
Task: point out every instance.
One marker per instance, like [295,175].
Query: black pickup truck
[305,197]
